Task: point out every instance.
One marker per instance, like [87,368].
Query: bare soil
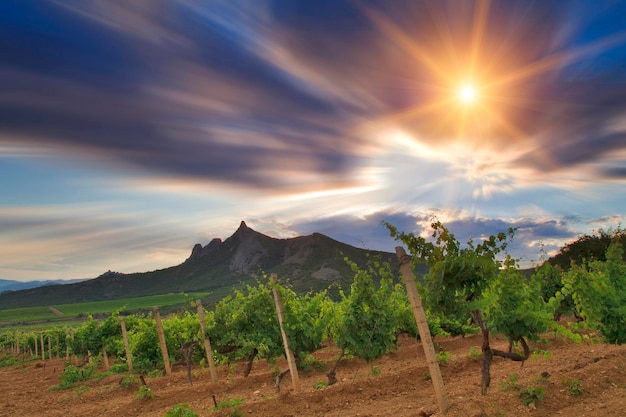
[396,385]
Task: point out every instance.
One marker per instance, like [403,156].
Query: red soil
[395,386]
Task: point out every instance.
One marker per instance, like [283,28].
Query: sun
[467,93]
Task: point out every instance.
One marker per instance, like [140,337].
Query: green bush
[129,380]
[72,375]
[474,353]
[443,357]
[532,395]
[574,387]
[9,360]
[181,410]
[144,393]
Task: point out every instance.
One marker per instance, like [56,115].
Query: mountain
[10,285]
[308,263]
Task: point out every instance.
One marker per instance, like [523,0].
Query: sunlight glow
[467,93]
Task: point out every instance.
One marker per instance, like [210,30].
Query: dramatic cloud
[314,114]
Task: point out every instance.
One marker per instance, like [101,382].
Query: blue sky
[129,131]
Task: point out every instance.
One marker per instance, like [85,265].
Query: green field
[77,310]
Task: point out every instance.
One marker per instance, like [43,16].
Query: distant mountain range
[308,263]
[10,285]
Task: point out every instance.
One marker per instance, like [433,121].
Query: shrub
[474,353]
[532,395]
[574,387]
[129,380]
[144,393]
[181,410]
[443,357]
[72,375]
[320,385]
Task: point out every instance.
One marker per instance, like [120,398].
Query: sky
[132,130]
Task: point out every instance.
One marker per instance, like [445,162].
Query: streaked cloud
[147,123]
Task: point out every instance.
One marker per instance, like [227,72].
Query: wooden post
[17,343]
[43,349]
[36,343]
[58,354]
[49,347]
[293,369]
[159,325]
[422,326]
[129,359]
[207,342]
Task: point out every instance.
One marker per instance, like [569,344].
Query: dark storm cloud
[266,93]
[369,231]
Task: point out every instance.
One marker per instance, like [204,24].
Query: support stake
[293,369]
[422,326]
[159,325]
[207,342]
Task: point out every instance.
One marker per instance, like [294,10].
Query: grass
[511,384]
[79,310]
[233,402]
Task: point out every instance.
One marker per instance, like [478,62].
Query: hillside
[311,262]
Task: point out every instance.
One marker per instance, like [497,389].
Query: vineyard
[479,308]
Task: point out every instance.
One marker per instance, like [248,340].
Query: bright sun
[467,93]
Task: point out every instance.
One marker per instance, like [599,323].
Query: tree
[472,282]
[588,248]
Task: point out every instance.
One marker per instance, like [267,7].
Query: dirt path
[395,386]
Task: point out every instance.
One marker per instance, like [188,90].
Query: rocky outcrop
[327,274]
[248,256]
[198,251]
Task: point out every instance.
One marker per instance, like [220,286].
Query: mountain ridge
[308,263]
[13,285]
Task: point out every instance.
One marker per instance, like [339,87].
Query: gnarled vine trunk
[187,351]
[332,374]
[477,317]
[250,362]
[281,374]
[489,353]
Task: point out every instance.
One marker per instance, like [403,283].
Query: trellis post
[159,325]
[293,369]
[422,326]
[129,358]
[207,342]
